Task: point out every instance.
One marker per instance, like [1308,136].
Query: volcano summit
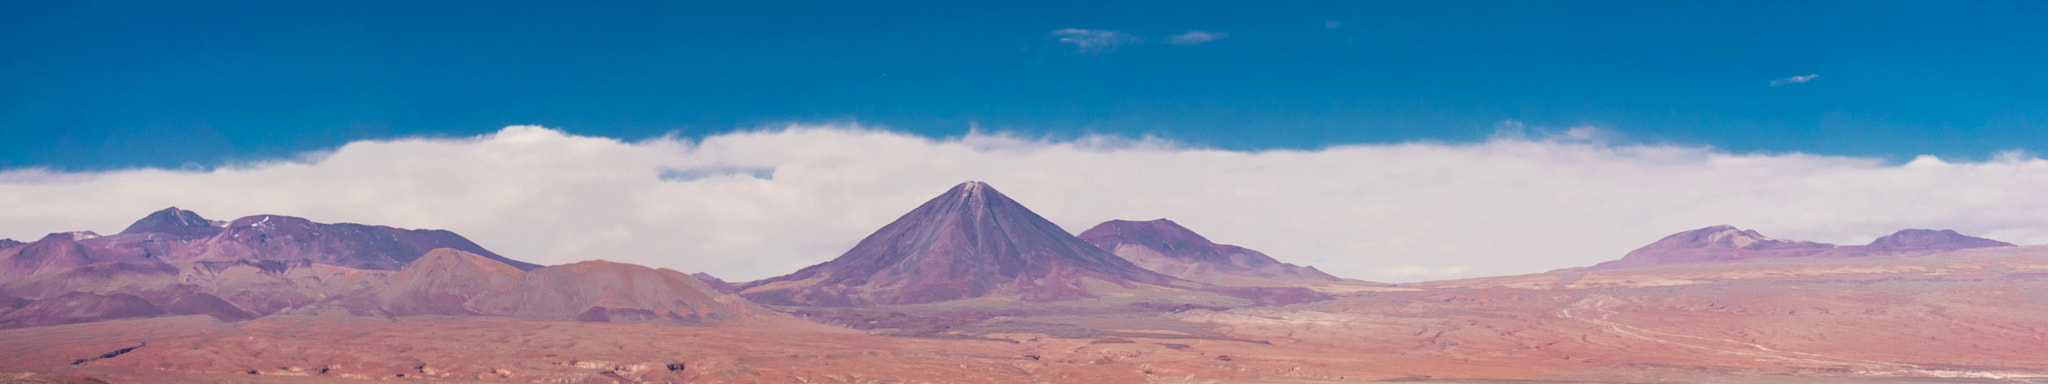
[970,242]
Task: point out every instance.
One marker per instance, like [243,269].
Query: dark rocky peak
[10,243]
[175,222]
[1928,239]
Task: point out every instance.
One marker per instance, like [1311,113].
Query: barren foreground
[1970,316]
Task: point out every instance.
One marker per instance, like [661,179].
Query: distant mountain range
[175,262]
[992,292]
[1722,243]
[970,243]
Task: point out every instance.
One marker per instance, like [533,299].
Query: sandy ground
[1963,319]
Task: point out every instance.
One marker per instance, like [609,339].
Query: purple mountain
[284,238]
[177,223]
[62,251]
[716,283]
[1723,243]
[1166,247]
[970,242]
[604,291]
[1928,239]
[176,262]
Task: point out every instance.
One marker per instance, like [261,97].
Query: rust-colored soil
[1972,316]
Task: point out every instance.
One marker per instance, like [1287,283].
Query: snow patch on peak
[1738,237]
[75,235]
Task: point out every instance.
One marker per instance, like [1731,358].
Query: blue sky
[87,85]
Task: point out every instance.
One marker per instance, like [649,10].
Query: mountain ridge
[1725,243]
[1167,247]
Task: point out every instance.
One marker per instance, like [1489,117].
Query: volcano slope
[970,242]
[973,261]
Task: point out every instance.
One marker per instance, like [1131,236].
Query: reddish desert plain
[972,287]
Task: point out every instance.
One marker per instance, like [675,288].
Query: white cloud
[1195,38]
[1794,80]
[754,204]
[1094,40]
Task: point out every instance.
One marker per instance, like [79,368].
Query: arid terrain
[973,287]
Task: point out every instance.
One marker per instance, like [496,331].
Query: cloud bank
[1794,80]
[749,205]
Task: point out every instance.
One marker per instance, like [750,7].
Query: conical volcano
[970,242]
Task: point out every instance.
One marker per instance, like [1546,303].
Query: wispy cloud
[1332,24]
[1094,40]
[1511,130]
[748,205]
[1794,80]
[1195,37]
